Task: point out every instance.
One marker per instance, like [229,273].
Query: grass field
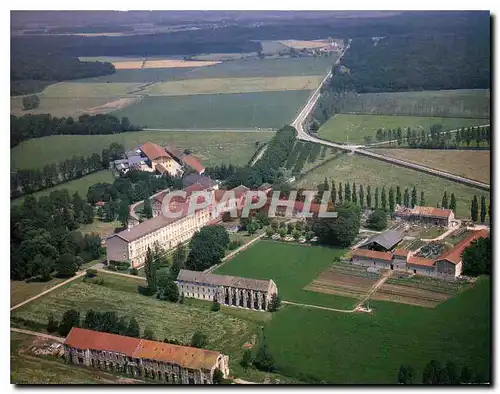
[212,147]
[161,63]
[375,173]
[472,164]
[291,267]
[369,348]
[353,128]
[73,98]
[244,68]
[22,290]
[78,185]
[453,103]
[232,85]
[217,111]
[224,56]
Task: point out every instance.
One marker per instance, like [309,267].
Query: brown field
[300,44]
[472,164]
[344,280]
[232,85]
[417,290]
[162,63]
[409,295]
[113,105]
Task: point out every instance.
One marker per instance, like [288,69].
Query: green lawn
[453,103]
[353,128]
[212,147]
[78,185]
[291,267]
[375,173]
[217,111]
[369,348]
[21,290]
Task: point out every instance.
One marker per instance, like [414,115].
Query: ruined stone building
[227,290]
[163,362]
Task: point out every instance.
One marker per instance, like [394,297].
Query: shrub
[91,273]
[52,324]
[215,307]
[199,340]
[111,268]
[246,360]
[144,290]
[134,271]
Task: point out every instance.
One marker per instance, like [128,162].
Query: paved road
[38,334]
[255,130]
[78,275]
[261,153]
[303,135]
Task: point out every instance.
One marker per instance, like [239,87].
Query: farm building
[159,159]
[203,180]
[448,265]
[185,159]
[426,215]
[227,290]
[383,242]
[158,361]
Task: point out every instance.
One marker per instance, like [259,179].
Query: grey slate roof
[223,280]
[387,239]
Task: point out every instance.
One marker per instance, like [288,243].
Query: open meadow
[218,111]
[315,345]
[232,85]
[212,147]
[291,267]
[80,185]
[473,103]
[375,173]
[353,128]
[472,164]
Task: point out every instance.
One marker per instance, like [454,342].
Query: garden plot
[414,290]
[345,280]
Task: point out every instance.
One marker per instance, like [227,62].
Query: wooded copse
[25,127]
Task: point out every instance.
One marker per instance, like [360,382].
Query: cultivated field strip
[345,280]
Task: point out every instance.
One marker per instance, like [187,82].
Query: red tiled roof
[240,190]
[219,194]
[420,261]
[191,161]
[454,255]
[431,211]
[400,252]
[313,208]
[372,254]
[195,187]
[95,340]
[153,151]
[100,203]
[185,356]
[174,152]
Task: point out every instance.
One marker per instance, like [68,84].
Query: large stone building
[132,244]
[426,215]
[227,290]
[448,265]
[158,361]
[383,242]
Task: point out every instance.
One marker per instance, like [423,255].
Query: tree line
[435,138]
[436,373]
[44,236]
[29,181]
[28,67]
[26,127]
[418,62]
[477,258]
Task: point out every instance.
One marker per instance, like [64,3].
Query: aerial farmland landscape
[251,197]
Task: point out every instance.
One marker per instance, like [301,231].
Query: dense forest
[44,236]
[416,62]
[239,37]
[30,66]
[25,127]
